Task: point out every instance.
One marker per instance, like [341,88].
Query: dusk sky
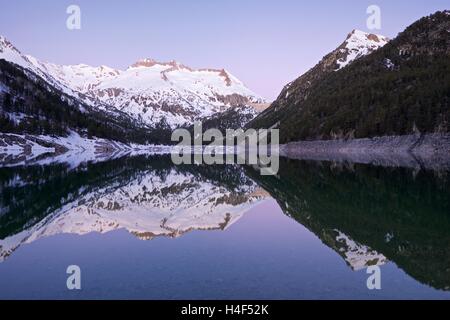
[266,44]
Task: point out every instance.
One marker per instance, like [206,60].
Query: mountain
[402,87]
[356,45]
[156,93]
[31,105]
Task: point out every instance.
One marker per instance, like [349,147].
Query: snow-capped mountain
[357,44]
[10,53]
[154,92]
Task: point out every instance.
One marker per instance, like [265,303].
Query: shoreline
[418,151]
[25,149]
[427,151]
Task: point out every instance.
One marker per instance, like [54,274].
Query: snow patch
[359,44]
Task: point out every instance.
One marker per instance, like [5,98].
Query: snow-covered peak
[146,63]
[359,44]
[10,53]
[168,92]
[149,91]
[5,44]
[366,39]
[149,62]
[171,66]
[81,77]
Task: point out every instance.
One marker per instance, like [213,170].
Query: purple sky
[264,43]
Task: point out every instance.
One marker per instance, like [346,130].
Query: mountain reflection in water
[368,215]
[146,196]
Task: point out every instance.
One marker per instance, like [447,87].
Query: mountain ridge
[356,45]
[166,93]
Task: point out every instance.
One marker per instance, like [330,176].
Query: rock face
[155,93]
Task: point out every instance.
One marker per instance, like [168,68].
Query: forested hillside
[401,88]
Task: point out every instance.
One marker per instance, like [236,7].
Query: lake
[142,228]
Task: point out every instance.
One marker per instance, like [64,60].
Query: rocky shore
[428,151]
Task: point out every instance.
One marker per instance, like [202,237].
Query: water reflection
[368,215]
[147,196]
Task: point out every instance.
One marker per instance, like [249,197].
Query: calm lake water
[140,227]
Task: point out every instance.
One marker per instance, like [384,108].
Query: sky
[266,44]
